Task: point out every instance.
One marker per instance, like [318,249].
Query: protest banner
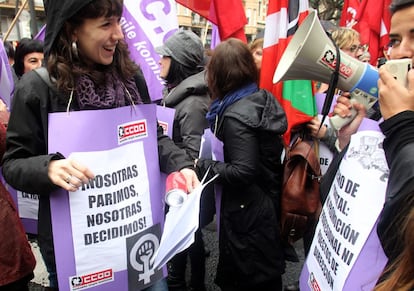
[165,117]
[346,253]
[106,233]
[147,25]
[28,206]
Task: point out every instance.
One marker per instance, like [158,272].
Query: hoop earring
[75,49]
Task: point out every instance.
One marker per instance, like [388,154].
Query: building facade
[32,18]
[29,22]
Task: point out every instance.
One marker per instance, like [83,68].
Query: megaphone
[311,55]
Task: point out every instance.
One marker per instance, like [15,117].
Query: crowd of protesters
[89,68]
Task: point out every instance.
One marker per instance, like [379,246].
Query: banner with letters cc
[147,25]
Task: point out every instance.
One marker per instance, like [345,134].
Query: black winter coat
[399,199]
[250,247]
[191,100]
[25,163]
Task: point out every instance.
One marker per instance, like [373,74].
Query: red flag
[296,97]
[374,20]
[349,12]
[228,15]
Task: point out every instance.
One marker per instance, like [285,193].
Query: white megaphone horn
[311,55]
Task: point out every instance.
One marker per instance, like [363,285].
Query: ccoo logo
[131,131]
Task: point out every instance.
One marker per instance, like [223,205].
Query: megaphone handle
[332,82]
[338,122]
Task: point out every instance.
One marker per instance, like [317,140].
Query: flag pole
[205,33]
[15,19]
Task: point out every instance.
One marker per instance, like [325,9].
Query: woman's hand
[69,174]
[191,179]
[314,130]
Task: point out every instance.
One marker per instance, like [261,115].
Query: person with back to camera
[87,58]
[249,122]
[182,68]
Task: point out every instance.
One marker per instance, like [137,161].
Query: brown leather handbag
[300,201]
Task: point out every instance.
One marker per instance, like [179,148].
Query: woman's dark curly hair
[66,67]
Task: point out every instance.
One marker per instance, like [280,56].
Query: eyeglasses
[355,48]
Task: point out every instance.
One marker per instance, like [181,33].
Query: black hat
[57,13]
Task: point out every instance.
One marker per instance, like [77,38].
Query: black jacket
[251,176]
[191,100]
[26,161]
[399,199]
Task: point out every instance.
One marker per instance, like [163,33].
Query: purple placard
[29,224]
[6,78]
[92,131]
[371,260]
[41,34]
[215,36]
[165,118]
[320,99]
[146,25]
[365,273]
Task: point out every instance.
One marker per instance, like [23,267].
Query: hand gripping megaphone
[311,55]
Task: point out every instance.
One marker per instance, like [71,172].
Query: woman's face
[97,39]
[32,61]
[257,56]
[355,49]
[165,63]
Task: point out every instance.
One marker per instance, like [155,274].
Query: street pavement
[210,239]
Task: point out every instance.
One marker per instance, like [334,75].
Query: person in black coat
[249,122]
[182,69]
